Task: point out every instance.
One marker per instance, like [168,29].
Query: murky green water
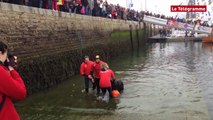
[165,82]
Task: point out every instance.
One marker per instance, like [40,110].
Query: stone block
[35,10]
[16,8]
[6,7]
[42,11]
[49,12]
[26,9]
[55,13]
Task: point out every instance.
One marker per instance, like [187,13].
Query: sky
[156,6]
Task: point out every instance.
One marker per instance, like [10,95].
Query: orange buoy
[115,93]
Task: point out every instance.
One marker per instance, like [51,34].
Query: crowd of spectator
[99,8]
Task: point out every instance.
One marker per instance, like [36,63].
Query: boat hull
[207,39]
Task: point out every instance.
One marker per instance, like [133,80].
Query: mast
[191,14]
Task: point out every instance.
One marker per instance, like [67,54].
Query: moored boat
[207,39]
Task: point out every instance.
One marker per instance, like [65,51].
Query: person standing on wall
[91,6]
[60,4]
[86,72]
[11,86]
[85,6]
[54,5]
[79,6]
[97,68]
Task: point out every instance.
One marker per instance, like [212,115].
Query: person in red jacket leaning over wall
[106,75]
[11,87]
[86,71]
[97,68]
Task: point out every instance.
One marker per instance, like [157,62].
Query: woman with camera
[11,86]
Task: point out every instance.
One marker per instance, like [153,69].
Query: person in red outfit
[114,14]
[79,2]
[11,87]
[86,71]
[97,68]
[79,6]
[106,75]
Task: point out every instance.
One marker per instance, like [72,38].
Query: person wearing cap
[97,68]
[86,71]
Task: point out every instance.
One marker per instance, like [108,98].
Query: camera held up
[11,61]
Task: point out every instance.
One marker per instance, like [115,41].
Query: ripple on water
[172,80]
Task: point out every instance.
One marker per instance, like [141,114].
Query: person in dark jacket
[85,5]
[79,6]
[11,87]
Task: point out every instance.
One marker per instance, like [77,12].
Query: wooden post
[150,31]
[137,36]
[130,31]
[144,33]
[147,29]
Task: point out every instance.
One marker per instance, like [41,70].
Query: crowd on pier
[99,8]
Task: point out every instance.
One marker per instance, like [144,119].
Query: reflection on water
[162,82]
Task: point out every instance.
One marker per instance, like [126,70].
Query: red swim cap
[115,93]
